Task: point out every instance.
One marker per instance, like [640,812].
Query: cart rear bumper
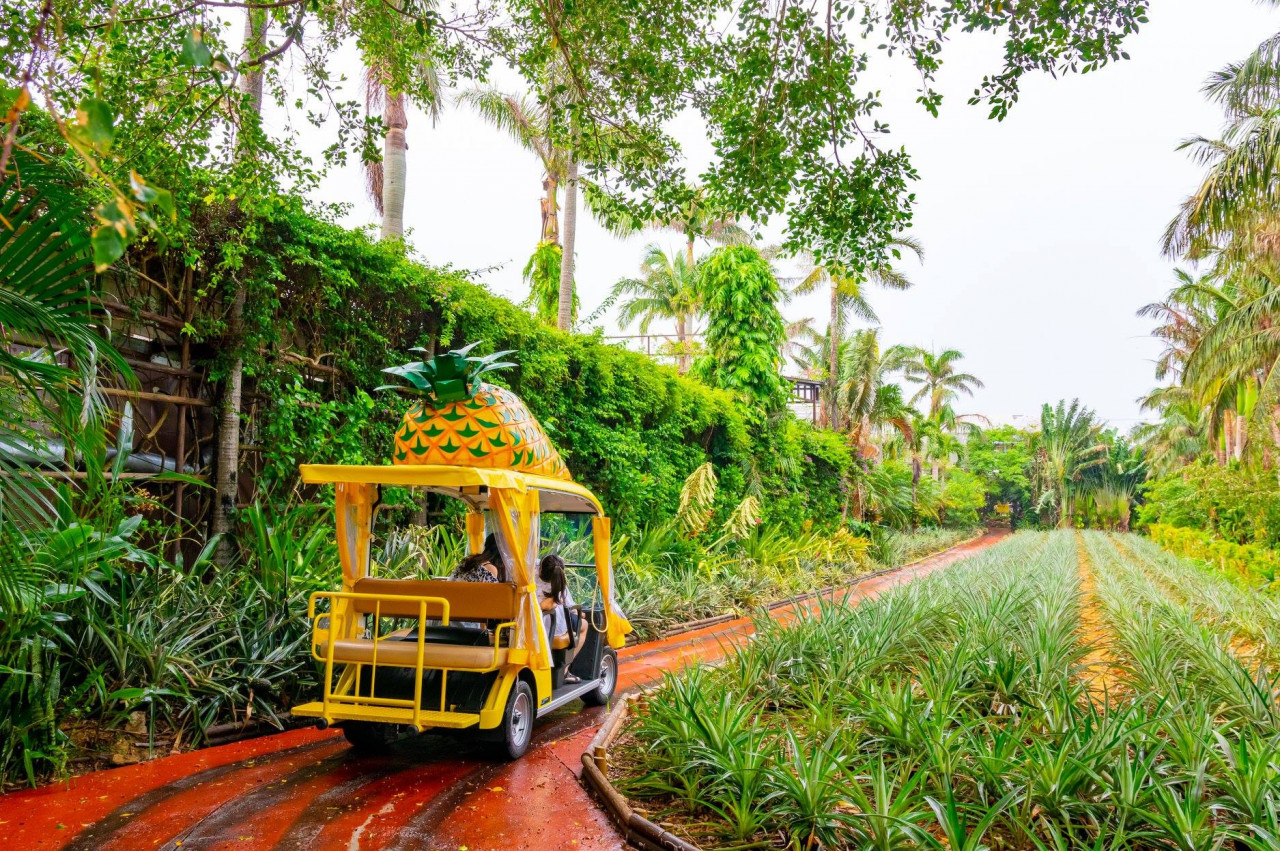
[424,719]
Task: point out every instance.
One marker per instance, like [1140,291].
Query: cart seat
[468,601]
[467,635]
[404,654]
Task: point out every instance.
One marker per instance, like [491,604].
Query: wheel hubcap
[520,718]
[607,674]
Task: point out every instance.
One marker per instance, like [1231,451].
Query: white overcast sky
[1041,232]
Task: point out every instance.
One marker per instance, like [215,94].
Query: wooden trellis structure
[149,319]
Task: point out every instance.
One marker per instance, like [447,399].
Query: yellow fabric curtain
[354,506]
[518,530]
[617,626]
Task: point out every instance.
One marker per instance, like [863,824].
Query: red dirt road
[306,789]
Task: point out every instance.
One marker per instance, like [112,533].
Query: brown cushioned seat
[404,654]
[469,601]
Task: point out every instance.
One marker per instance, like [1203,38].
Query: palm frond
[519,117]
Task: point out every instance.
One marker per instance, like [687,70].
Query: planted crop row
[1190,665]
[1213,596]
[955,713]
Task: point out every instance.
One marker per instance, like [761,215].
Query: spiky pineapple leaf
[453,376]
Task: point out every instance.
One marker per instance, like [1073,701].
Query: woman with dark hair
[565,627]
[484,566]
[493,555]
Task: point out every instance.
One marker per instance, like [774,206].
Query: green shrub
[963,496]
[1233,503]
[1250,561]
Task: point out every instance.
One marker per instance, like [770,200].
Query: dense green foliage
[628,430]
[1236,503]
[1252,563]
[745,331]
[782,96]
[1002,458]
[965,710]
[105,620]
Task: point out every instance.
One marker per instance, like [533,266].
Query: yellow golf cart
[416,654]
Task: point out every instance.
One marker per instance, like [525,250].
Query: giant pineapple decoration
[460,420]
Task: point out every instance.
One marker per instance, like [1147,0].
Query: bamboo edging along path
[639,831]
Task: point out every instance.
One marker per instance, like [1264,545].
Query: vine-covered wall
[629,428]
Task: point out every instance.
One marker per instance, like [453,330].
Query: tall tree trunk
[565,319]
[255,44]
[689,249]
[550,211]
[227,478]
[227,470]
[1241,433]
[393,166]
[682,338]
[1066,509]
[833,360]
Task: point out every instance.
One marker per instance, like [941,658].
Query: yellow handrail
[378,600]
[344,622]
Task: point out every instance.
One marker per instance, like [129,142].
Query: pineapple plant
[462,421]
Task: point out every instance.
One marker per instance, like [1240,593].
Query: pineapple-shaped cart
[414,654]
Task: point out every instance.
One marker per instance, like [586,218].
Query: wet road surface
[307,789]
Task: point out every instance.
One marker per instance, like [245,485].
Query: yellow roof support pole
[475,531]
[354,507]
[617,625]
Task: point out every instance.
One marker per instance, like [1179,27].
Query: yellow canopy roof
[557,494]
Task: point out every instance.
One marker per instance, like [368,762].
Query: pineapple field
[1061,690]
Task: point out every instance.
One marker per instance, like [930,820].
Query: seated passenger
[566,628]
[484,566]
[475,568]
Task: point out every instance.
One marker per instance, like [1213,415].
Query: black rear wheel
[608,680]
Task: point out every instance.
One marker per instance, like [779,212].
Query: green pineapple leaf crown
[451,377]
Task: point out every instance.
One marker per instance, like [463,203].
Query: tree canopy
[144,90]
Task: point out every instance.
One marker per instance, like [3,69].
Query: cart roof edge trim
[449,477]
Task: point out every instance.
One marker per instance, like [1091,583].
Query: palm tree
[947,425]
[866,399]
[1180,435]
[528,122]
[43,307]
[1185,315]
[805,347]
[868,402]
[1068,445]
[1118,481]
[938,379]
[385,180]
[666,289]
[848,297]
[1222,346]
[1236,201]
[531,124]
